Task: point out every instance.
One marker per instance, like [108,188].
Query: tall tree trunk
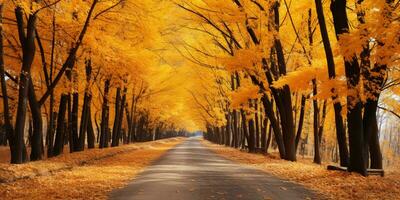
[90,131]
[340,130]
[264,129]
[317,155]
[121,115]
[74,128]
[37,136]
[69,124]
[236,130]
[85,117]
[371,129]
[245,131]
[51,123]
[354,104]
[301,120]
[284,98]
[251,136]
[228,131]
[257,121]
[275,125]
[51,128]
[104,116]
[27,41]
[373,81]
[116,119]
[61,126]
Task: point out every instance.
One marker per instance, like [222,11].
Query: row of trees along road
[281,67]
[76,67]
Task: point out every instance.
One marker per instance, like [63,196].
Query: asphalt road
[191,171]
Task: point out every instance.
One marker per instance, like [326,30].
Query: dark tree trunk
[236,131]
[61,128]
[104,116]
[340,131]
[316,122]
[264,134]
[131,122]
[74,128]
[90,132]
[257,121]
[51,128]
[222,135]
[371,131]
[245,131]
[283,98]
[37,136]
[354,104]
[27,41]
[115,132]
[228,131]
[128,122]
[52,117]
[274,124]
[301,120]
[251,136]
[121,116]
[85,117]
[69,124]
[376,79]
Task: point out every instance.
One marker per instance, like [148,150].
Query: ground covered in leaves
[330,184]
[91,174]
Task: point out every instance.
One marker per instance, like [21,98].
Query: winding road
[191,171]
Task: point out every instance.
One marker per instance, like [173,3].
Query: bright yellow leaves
[240,97]
[243,59]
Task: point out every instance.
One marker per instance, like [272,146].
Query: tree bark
[104,116]
[275,125]
[354,104]
[301,120]
[115,133]
[257,124]
[61,128]
[340,130]
[74,127]
[27,41]
[251,135]
[37,136]
[317,155]
[121,115]
[90,132]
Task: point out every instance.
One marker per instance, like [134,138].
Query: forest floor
[90,174]
[332,184]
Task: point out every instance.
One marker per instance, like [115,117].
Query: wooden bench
[378,172]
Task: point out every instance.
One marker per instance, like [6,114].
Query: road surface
[193,172]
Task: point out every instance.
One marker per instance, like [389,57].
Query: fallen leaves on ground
[330,184]
[91,174]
